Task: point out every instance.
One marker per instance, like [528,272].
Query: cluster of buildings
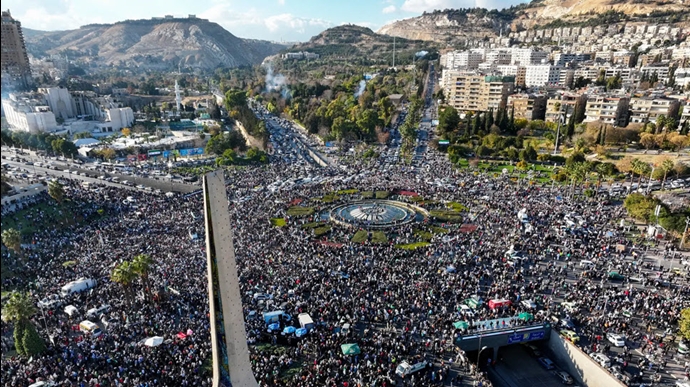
[539,81]
[617,109]
[300,55]
[57,109]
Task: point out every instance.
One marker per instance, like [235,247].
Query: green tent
[461,325]
[350,349]
[526,316]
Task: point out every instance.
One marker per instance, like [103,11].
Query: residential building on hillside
[562,102]
[610,110]
[528,106]
[15,69]
[470,91]
[563,58]
[528,56]
[462,59]
[648,109]
[541,75]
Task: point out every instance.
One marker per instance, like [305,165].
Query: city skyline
[275,20]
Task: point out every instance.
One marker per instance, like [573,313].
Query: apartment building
[563,102]
[528,56]
[563,58]
[29,114]
[470,91]
[528,106]
[462,59]
[610,110]
[648,109]
[14,61]
[541,75]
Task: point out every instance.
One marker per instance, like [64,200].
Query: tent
[274,327]
[350,349]
[289,330]
[153,341]
[301,332]
[524,316]
[461,325]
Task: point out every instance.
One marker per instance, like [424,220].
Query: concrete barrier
[580,365]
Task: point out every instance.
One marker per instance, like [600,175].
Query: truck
[405,368]
[305,321]
[276,317]
[77,286]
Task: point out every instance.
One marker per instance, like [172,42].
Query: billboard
[154,153]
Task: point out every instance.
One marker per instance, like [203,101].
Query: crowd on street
[400,304]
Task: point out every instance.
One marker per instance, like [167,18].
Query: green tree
[124,274]
[12,239]
[19,309]
[666,166]
[56,191]
[235,98]
[684,323]
[448,120]
[141,265]
[640,207]
[528,154]
[31,341]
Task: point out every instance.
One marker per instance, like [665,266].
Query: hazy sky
[288,20]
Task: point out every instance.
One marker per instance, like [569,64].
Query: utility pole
[558,129]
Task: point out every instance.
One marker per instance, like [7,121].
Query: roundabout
[376,214]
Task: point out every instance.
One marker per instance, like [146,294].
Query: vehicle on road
[405,368]
[570,335]
[546,363]
[532,350]
[616,339]
[77,286]
[602,359]
[564,377]
[90,328]
[95,312]
[50,302]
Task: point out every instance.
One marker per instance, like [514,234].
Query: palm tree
[601,170]
[124,275]
[56,191]
[19,309]
[666,166]
[13,240]
[141,265]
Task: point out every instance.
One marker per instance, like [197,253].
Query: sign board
[526,336]
[443,142]
[153,153]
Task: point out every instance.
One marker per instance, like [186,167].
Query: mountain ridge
[155,44]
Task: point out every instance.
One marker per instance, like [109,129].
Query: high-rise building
[14,62]
[477,92]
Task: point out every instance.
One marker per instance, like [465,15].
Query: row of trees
[40,141]
[236,104]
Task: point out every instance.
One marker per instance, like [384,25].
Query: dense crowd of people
[400,304]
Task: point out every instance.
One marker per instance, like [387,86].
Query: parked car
[405,368]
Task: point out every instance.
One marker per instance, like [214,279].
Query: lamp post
[561,119]
[479,354]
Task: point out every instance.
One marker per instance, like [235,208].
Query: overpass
[496,338]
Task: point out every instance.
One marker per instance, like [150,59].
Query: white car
[529,304]
[466,311]
[616,339]
[405,368]
[50,302]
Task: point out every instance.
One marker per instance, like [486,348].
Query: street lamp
[479,354]
[561,119]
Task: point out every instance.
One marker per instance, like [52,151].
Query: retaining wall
[579,365]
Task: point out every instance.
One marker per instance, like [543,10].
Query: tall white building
[527,56]
[541,75]
[59,100]
[24,115]
[462,59]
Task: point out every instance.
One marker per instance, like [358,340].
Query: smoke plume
[276,82]
[360,89]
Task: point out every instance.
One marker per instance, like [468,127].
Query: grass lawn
[53,217]
[347,191]
[278,222]
[455,206]
[300,211]
[439,230]
[379,237]
[329,198]
[412,246]
[423,235]
[447,215]
[312,225]
[318,231]
[381,194]
[360,236]
[367,195]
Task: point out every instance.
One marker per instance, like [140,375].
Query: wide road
[162,184]
[519,369]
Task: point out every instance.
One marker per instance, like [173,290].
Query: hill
[455,25]
[351,40]
[155,44]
